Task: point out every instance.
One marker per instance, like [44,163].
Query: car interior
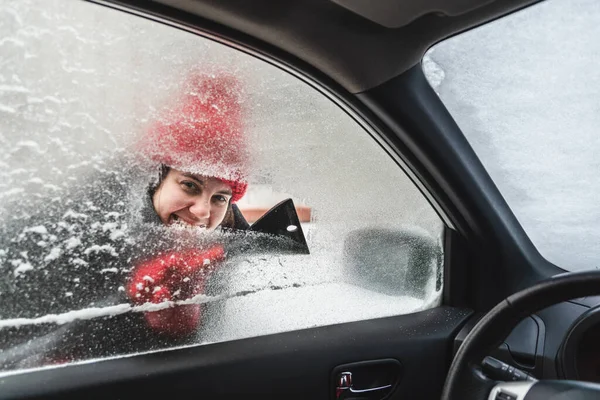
[511,324]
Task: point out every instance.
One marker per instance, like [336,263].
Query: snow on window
[524,90]
[119,133]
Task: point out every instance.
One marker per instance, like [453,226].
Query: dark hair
[228,220]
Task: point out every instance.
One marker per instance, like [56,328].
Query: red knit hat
[203,132]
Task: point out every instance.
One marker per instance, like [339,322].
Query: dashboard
[559,342]
[579,356]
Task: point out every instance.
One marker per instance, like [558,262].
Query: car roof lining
[399,13]
[354,51]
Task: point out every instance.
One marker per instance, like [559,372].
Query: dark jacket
[65,270]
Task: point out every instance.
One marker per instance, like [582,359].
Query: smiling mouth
[177,221]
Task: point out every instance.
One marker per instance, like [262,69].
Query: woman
[83,260]
[199,145]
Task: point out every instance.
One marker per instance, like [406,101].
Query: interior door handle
[345,386]
[365,380]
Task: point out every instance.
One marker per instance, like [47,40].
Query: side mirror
[394,262]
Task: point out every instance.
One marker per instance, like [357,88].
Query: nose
[200,208]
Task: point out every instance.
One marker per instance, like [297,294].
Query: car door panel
[288,365]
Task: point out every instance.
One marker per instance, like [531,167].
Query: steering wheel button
[505,396]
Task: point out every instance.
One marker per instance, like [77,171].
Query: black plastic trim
[395,14]
[456,277]
[557,321]
[538,369]
[567,354]
[535,356]
[291,365]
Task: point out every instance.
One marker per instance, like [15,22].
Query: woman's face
[191,199]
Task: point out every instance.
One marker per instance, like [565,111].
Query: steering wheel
[466,381]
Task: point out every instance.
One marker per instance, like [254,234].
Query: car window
[159,189]
[524,90]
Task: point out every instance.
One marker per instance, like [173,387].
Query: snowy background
[525,90]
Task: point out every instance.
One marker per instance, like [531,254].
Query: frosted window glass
[524,90]
[81,88]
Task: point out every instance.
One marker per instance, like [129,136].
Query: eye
[190,186]
[220,199]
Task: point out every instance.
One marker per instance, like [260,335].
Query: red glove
[171,277]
